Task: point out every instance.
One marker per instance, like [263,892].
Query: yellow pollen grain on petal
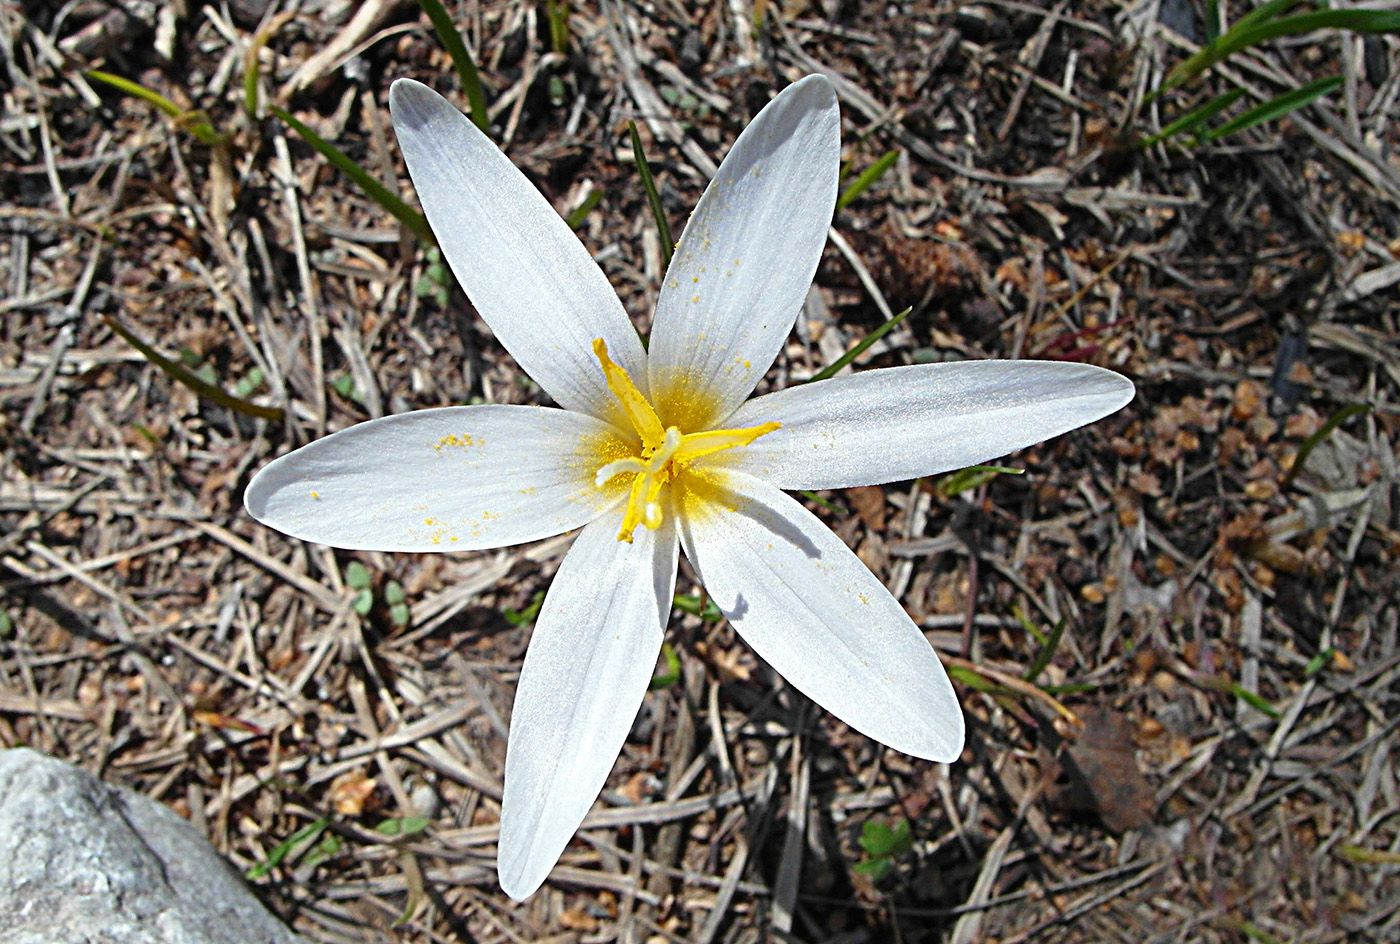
[684,397]
[639,412]
[453,440]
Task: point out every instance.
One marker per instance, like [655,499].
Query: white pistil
[651,472]
[618,467]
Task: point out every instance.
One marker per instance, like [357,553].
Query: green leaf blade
[663,228]
[867,179]
[461,59]
[414,221]
[1275,107]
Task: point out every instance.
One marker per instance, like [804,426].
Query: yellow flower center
[665,451]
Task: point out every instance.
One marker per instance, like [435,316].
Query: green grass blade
[672,675]
[286,846]
[830,369]
[1254,33]
[863,183]
[1265,11]
[1275,107]
[580,213]
[688,603]
[1212,21]
[192,121]
[1319,662]
[1193,118]
[416,222]
[1047,651]
[828,505]
[403,826]
[1369,856]
[251,71]
[466,66]
[139,91]
[1257,702]
[663,228]
[973,476]
[526,616]
[558,13]
[975,680]
[1367,21]
[179,372]
[1327,428]
[251,65]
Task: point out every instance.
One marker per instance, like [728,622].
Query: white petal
[524,270]
[589,663]
[453,479]
[748,254]
[811,609]
[904,422]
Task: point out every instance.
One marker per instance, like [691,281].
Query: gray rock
[85,862]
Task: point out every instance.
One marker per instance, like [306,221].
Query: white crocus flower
[657,450]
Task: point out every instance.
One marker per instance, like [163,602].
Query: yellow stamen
[643,418]
[717,440]
[665,451]
[642,504]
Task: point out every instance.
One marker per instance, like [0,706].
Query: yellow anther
[639,412]
[717,440]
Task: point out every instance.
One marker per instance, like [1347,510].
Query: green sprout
[436,280]
[558,13]
[344,385]
[1317,438]
[359,579]
[688,603]
[672,675]
[191,120]
[403,826]
[832,369]
[1267,22]
[883,844]
[526,616]
[586,206]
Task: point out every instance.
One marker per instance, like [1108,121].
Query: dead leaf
[1097,772]
[576,919]
[349,792]
[868,502]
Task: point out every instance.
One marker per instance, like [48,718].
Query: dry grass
[159,637]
